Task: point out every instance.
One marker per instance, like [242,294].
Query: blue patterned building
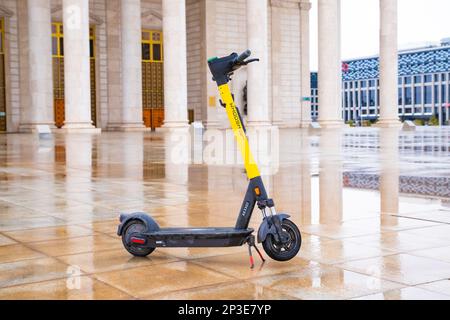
[423,86]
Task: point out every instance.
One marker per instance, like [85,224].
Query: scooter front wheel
[133,227]
[284,251]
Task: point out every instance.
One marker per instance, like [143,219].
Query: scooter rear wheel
[284,251]
[133,227]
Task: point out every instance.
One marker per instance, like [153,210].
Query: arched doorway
[152,78]
[58,73]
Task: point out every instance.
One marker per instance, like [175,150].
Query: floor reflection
[373,207]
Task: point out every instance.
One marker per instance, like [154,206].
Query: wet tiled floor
[373,207]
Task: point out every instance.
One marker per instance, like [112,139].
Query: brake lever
[250,61]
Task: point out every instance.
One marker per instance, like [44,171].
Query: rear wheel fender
[149,222]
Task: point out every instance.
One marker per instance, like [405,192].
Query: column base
[34,127]
[128,127]
[213,125]
[259,124]
[305,124]
[388,124]
[331,124]
[78,127]
[175,125]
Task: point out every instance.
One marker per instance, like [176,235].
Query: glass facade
[423,87]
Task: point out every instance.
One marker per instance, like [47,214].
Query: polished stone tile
[62,247]
[29,271]
[440,233]
[338,251]
[52,233]
[110,260]
[238,266]
[402,268]
[17,252]
[24,223]
[442,287]
[231,291]
[324,282]
[81,288]
[63,200]
[410,293]
[160,278]
[5,241]
[402,241]
[442,253]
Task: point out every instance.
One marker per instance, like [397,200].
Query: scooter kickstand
[252,262]
[251,243]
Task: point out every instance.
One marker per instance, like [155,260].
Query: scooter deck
[198,237]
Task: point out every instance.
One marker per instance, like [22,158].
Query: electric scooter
[280,237]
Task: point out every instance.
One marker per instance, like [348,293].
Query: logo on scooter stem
[244,211]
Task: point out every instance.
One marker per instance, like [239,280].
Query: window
[408,96]
[400,80]
[372,98]
[443,93]
[428,78]
[146,52]
[364,98]
[346,100]
[428,94]
[356,99]
[418,95]
[363,84]
[356,84]
[152,46]
[371,83]
[407,80]
[436,78]
[400,97]
[417,79]
[58,41]
[436,94]
[443,77]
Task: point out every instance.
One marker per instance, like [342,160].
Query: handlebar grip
[244,55]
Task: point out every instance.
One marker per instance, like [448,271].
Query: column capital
[305,6]
[285,3]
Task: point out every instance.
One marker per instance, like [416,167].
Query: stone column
[388,65]
[305,7]
[39,87]
[330,178]
[175,64]
[77,78]
[389,171]
[131,50]
[330,69]
[212,112]
[257,85]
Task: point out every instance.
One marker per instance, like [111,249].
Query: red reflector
[137,241]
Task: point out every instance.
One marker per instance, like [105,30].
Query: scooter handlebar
[244,55]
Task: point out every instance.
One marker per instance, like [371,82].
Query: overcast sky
[419,21]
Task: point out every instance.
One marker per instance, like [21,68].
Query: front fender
[149,222]
[267,227]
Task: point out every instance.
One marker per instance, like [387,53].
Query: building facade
[423,86]
[91,65]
